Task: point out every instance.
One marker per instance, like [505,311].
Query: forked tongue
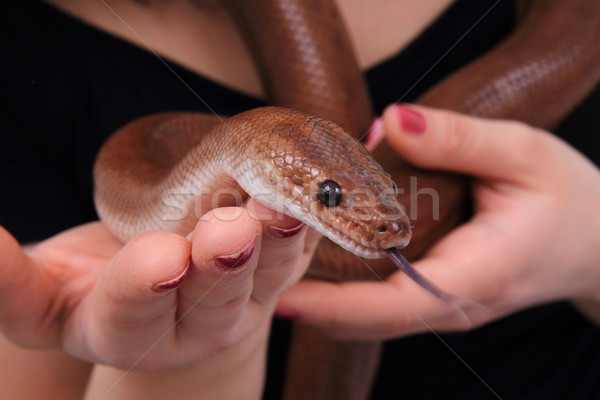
[458,302]
[409,270]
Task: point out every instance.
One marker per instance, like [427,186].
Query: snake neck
[305,58]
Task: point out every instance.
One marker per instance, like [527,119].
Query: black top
[65,86]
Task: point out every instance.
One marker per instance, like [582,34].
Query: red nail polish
[411,121]
[373,130]
[285,232]
[285,313]
[238,259]
[172,283]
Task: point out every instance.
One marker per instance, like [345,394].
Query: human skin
[218,56]
[84,292]
[200,37]
[532,238]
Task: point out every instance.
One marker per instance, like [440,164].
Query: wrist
[243,364]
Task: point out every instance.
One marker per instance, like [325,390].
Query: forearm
[236,373]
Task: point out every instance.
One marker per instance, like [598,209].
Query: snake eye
[330,193]
[395,187]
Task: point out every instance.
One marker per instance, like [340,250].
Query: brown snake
[306,61]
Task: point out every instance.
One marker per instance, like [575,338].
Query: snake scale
[537,75]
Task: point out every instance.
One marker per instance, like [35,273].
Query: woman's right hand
[533,237]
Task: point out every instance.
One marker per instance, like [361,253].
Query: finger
[134,301]
[375,134]
[364,310]
[35,284]
[282,252]
[23,291]
[446,140]
[225,248]
[375,310]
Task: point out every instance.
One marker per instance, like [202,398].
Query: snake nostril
[382,232]
[392,234]
[388,229]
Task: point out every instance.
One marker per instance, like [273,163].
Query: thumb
[437,139]
[23,292]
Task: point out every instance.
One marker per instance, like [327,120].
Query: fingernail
[411,121]
[238,259]
[285,232]
[285,313]
[172,283]
[374,131]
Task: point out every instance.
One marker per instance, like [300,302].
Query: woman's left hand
[159,301]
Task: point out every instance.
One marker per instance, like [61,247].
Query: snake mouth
[350,244]
[398,237]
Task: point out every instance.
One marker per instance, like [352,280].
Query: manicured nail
[172,283]
[411,121]
[374,131]
[238,259]
[285,313]
[285,232]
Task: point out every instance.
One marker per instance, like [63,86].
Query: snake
[301,155]
[301,165]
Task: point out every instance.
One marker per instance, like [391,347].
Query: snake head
[329,181]
[357,203]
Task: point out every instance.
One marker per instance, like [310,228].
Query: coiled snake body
[161,172]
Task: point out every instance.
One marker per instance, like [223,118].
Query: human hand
[142,305]
[533,237]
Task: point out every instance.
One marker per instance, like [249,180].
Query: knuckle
[530,142]
[458,138]
[530,148]
[391,327]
